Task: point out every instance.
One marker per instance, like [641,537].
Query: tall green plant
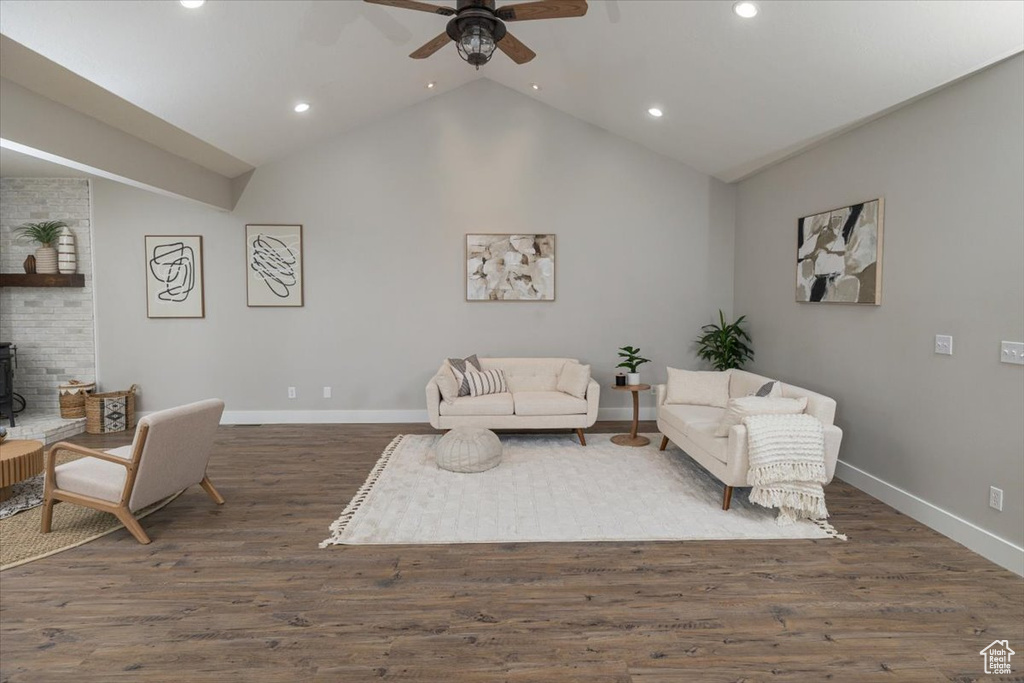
[631,358]
[45,233]
[725,345]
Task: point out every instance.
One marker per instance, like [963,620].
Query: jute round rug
[73,525]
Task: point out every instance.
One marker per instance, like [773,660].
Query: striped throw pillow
[461,366]
[486,382]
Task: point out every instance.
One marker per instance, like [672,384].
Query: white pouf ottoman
[468,449]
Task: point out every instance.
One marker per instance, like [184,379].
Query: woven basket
[72,398]
[113,411]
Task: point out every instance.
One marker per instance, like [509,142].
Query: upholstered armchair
[169,453]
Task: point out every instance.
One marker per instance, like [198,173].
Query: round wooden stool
[19,460]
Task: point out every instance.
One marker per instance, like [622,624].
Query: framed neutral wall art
[839,255]
[273,265]
[510,267]
[174,276]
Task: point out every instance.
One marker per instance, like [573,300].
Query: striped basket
[113,411]
[72,398]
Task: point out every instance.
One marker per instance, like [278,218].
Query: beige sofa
[692,428]
[532,401]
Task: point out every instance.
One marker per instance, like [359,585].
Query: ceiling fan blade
[413,4]
[519,53]
[431,47]
[542,9]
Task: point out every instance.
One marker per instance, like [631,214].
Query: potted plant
[725,345]
[631,360]
[45,234]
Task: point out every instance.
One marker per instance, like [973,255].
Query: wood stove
[8,358]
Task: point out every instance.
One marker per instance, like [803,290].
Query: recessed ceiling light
[192,4]
[301,107]
[655,112]
[430,86]
[745,9]
[535,86]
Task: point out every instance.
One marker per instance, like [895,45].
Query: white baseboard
[985,543]
[242,417]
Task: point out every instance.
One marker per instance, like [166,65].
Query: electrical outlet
[944,344]
[995,498]
[291,392]
[1012,352]
[327,392]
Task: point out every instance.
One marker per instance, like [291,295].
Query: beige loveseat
[532,401]
[692,428]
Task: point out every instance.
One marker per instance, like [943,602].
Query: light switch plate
[1012,352]
[944,344]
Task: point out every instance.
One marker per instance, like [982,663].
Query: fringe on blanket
[786,471]
[793,504]
[338,525]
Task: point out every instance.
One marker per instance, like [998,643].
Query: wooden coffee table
[632,439]
[19,460]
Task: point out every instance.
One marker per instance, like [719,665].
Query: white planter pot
[632,378]
[46,260]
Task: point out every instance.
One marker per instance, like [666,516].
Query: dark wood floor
[241,593]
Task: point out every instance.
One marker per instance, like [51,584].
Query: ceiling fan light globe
[476,45]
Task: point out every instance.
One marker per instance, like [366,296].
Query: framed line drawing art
[273,265]
[503,267]
[839,255]
[174,276]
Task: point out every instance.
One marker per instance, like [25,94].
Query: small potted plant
[45,234]
[631,360]
[725,345]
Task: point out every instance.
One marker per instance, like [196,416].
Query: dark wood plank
[241,592]
[41,280]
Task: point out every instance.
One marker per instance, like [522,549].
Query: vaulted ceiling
[737,94]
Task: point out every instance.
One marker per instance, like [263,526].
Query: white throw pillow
[486,382]
[446,384]
[740,408]
[698,388]
[574,379]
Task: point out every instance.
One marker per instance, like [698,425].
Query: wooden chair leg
[47,515]
[583,439]
[664,443]
[208,487]
[132,525]
[728,498]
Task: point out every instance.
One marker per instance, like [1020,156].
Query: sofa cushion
[740,408]
[528,374]
[574,379]
[698,388]
[491,404]
[548,403]
[703,434]
[681,416]
[94,477]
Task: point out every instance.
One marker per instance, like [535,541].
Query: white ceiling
[16,165]
[737,94]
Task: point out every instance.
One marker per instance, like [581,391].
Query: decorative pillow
[486,382]
[574,379]
[740,408]
[460,366]
[698,388]
[770,389]
[446,384]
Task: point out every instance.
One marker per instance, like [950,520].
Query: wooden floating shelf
[41,280]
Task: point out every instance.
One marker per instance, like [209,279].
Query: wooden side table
[19,460]
[632,439]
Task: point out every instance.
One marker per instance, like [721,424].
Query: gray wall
[951,170]
[644,257]
[52,327]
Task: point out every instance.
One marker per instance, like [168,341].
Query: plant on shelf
[631,360]
[726,345]
[45,234]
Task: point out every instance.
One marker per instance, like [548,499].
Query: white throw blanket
[787,465]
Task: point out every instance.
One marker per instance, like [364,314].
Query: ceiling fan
[477,27]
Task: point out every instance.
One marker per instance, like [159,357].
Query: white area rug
[549,488]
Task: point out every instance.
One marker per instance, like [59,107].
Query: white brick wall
[52,327]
